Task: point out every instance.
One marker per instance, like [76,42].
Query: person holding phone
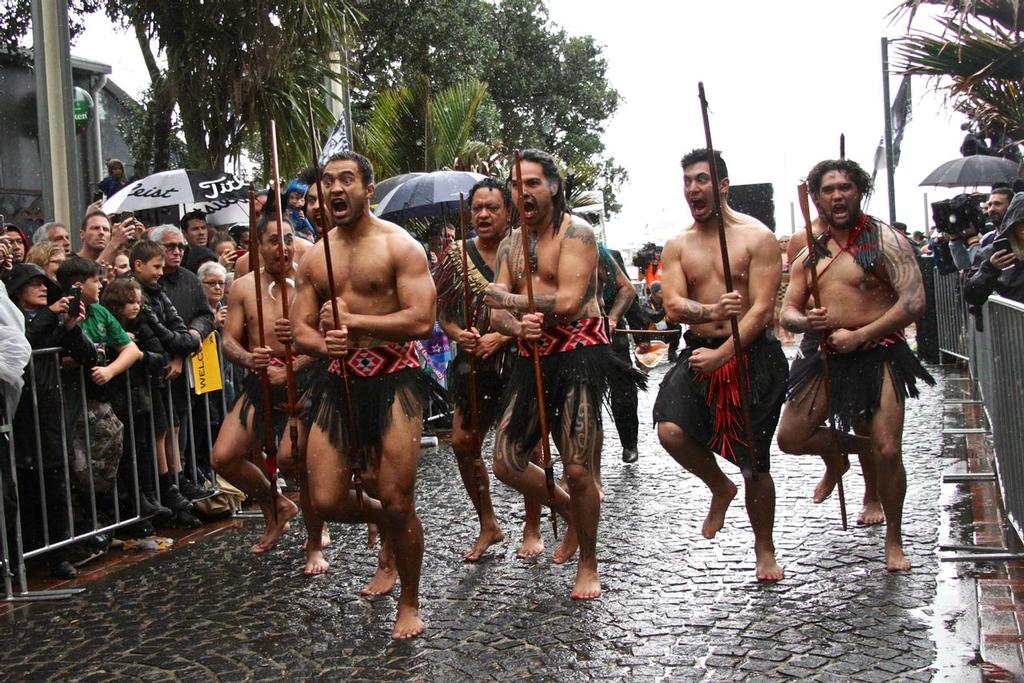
[998,269]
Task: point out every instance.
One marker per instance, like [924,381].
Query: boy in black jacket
[147,261]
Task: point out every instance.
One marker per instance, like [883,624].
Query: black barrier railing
[991,340]
[75,494]
[999,364]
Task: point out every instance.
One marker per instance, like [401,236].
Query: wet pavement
[675,607]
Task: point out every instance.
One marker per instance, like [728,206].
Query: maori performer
[871,507]
[698,409]
[243,428]
[385,302]
[871,289]
[579,369]
[489,206]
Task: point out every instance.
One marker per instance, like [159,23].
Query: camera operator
[998,268]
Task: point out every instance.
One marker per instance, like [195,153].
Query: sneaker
[63,570]
[184,519]
[173,499]
[190,490]
[149,507]
[630,455]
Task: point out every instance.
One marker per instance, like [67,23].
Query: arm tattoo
[695,312]
[904,275]
[582,233]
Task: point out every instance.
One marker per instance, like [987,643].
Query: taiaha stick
[741,368]
[842,146]
[356,452]
[666,333]
[293,423]
[269,444]
[812,262]
[467,298]
[538,376]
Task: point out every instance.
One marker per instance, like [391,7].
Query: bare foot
[567,548]
[588,585]
[532,545]
[408,625]
[833,473]
[316,564]
[276,526]
[715,520]
[871,514]
[767,568]
[371,535]
[382,582]
[485,540]
[895,560]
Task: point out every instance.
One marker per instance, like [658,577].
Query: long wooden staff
[269,443]
[741,368]
[293,422]
[467,298]
[842,145]
[538,376]
[812,261]
[357,455]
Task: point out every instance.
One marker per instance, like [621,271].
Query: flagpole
[889,170]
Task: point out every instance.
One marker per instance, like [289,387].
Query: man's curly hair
[852,170]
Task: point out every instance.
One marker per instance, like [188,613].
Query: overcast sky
[783,80]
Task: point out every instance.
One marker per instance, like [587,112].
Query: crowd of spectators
[104,414]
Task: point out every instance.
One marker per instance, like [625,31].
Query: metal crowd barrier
[992,343]
[1001,375]
[952,316]
[89,512]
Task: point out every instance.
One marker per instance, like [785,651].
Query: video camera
[960,216]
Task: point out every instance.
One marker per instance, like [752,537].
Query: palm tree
[979,49]
[412,128]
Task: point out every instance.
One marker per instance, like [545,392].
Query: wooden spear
[741,368]
[293,423]
[812,262]
[467,298]
[269,444]
[538,376]
[357,455]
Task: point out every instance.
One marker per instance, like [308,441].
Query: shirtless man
[489,204]
[695,412]
[578,366]
[871,289]
[242,429]
[871,507]
[385,301]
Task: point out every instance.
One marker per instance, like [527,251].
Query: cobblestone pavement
[676,607]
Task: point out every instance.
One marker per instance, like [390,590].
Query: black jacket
[46,330]
[984,278]
[185,291]
[162,318]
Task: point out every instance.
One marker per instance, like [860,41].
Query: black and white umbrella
[212,192]
[431,194]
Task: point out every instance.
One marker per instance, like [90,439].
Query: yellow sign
[206,366]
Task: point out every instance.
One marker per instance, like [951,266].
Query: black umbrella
[384,187]
[973,171]
[431,194]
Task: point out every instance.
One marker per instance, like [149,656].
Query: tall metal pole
[58,147]
[889,170]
